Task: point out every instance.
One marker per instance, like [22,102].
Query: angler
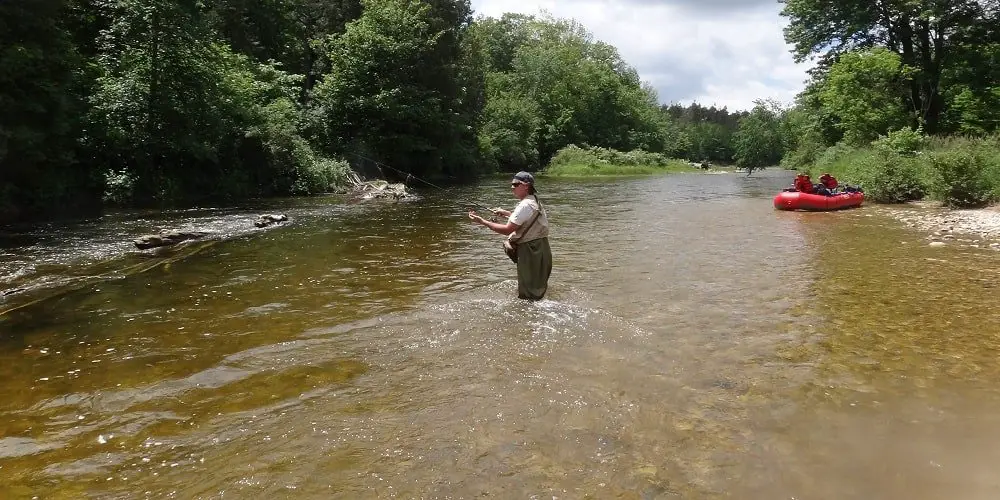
[527,242]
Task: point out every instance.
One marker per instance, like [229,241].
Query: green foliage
[158,102]
[287,164]
[574,161]
[759,140]
[700,133]
[861,89]
[152,102]
[803,137]
[976,112]
[888,177]
[943,42]
[965,177]
[118,187]
[905,142]
[549,84]
[803,156]
[40,106]
[905,165]
[393,86]
[510,122]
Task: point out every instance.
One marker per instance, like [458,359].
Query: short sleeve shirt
[522,215]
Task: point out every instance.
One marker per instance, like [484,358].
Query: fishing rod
[409,176]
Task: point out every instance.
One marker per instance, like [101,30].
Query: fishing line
[409,176]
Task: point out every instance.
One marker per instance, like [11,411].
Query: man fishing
[527,242]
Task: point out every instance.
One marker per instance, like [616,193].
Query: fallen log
[268,219]
[379,189]
[167,238]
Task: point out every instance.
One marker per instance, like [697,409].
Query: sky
[716,52]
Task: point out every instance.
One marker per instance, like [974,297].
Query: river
[695,343]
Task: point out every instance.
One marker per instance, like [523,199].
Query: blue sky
[722,52]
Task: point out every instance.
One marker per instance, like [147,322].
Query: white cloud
[722,52]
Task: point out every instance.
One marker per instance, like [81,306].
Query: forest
[159,103]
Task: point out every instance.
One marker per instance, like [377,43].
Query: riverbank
[574,161]
[906,166]
[970,227]
[615,170]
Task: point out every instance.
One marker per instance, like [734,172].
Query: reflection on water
[695,344]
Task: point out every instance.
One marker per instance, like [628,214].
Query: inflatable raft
[797,200]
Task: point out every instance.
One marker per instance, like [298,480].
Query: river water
[695,343]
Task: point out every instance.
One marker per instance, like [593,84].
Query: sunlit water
[695,343]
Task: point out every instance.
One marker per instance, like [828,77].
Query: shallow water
[695,343]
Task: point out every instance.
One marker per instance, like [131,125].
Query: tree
[923,33]
[551,84]
[394,88]
[862,89]
[41,99]
[758,142]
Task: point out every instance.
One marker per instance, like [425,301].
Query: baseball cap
[525,177]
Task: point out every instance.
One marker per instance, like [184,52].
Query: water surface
[695,343]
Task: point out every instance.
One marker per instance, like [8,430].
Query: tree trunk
[909,58]
[931,77]
[149,179]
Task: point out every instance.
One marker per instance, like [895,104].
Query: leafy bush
[118,187]
[804,155]
[573,160]
[961,177]
[890,178]
[290,165]
[320,176]
[841,161]
[575,155]
[905,165]
[905,141]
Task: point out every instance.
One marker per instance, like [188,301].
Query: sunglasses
[515,184]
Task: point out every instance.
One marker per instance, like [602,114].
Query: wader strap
[532,221]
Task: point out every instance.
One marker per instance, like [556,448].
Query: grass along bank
[574,161]
[904,165]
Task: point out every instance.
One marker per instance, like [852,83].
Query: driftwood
[379,189]
[167,238]
[376,189]
[268,219]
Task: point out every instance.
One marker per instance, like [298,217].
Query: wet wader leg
[534,265]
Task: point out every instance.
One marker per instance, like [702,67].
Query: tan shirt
[522,215]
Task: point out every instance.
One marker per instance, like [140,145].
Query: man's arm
[497,227]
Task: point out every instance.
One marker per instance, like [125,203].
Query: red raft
[797,200]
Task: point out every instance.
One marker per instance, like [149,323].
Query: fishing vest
[537,230]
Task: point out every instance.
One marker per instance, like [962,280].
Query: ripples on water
[695,343]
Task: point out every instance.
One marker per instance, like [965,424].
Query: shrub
[118,187]
[905,142]
[321,175]
[804,155]
[961,177]
[573,160]
[575,155]
[888,177]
